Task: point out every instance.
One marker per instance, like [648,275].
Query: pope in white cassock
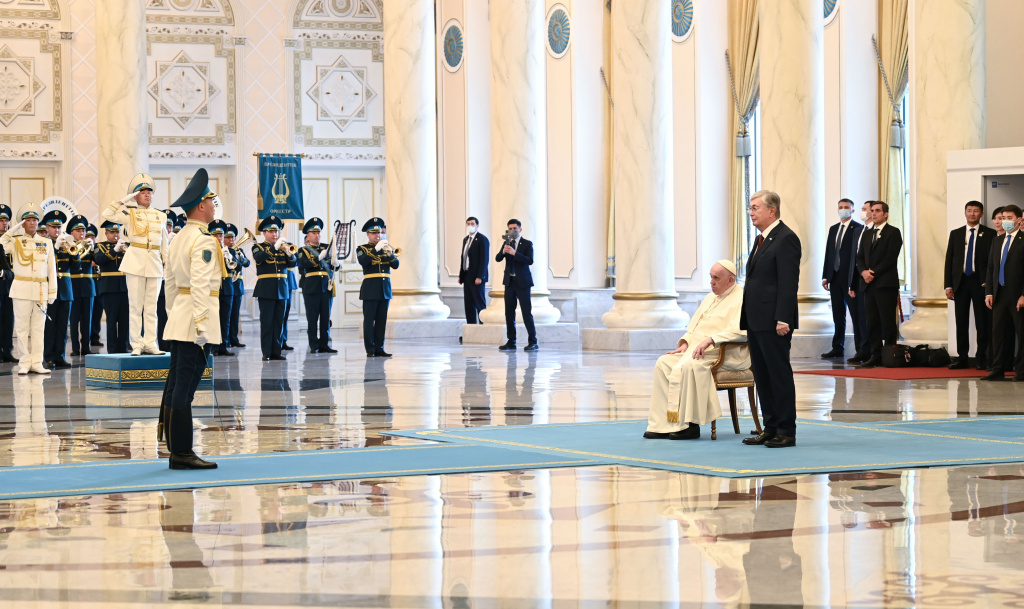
[684,395]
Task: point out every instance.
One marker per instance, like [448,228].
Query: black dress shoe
[872,362]
[60,364]
[326,350]
[692,432]
[371,355]
[780,441]
[96,343]
[995,375]
[509,346]
[759,439]
[381,353]
[87,351]
[190,461]
[831,354]
[531,347]
[858,358]
[959,363]
[285,347]
[653,435]
[278,358]
[981,364]
[226,352]
[239,345]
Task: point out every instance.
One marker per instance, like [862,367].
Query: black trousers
[475,300]
[287,312]
[522,294]
[161,320]
[859,315]
[841,300]
[225,321]
[271,321]
[773,375]
[55,333]
[81,323]
[188,361]
[236,310]
[318,318]
[6,326]
[970,292]
[375,322]
[97,317]
[1007,333]
[116,306]
[881,306]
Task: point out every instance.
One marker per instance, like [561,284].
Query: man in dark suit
[880,280]
[859,311]
[840,257]
[967,255]
[769,316]
[1004,295]
[518,256]
[473,271]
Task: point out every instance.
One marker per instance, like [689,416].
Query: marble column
[792,139]
[519,183]
[122,117]
[410,170]
[947,67]
[645,295]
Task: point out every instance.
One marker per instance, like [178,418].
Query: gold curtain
[743,60]
[894,49]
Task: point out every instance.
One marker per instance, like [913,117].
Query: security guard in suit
[113,288]
[195,269]
[272,262]
[237,283]
[97,302]
[377,259]
[227,287]
[82,287]
[59,313]
[6,304]
[317,267]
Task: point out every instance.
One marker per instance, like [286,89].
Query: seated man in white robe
[684,395]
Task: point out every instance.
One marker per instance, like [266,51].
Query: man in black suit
[880,280]
[967,256]
[1004,295]
[859,311]
[840,257]
[518,256]
[769,316]
[473,271]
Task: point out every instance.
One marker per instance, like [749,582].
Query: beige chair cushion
[735,377]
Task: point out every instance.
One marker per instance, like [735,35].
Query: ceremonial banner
[280,186]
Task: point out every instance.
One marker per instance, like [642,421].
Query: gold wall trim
[930,303]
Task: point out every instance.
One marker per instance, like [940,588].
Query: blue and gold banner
[280,186]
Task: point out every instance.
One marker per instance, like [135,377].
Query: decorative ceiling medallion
[830,9]
[341,93]
[682,19]
[453,45]
[19,86]
[341,8]
[558,31]
[182,90]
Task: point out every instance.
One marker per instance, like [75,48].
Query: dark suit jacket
[847,253]
[881,255]
[1014,272]
[478,254]
[773,278]
[955,254]
[520,263]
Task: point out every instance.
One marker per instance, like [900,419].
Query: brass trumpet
[78,248]
[290,248]
[248,236]
[394,251]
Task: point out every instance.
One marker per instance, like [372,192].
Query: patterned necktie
[969,269]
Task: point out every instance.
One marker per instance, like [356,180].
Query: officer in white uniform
[35,286]
[144,229]
[195,268]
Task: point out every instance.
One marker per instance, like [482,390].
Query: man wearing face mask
[518,256]
[840,256]
[858,312]
[967,255]
[473,271]
[1004,295]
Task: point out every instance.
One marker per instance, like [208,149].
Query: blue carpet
[123,476]
[822,446]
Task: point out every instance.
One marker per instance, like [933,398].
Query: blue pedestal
[124,371]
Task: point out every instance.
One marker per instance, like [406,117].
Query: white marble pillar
[122,118]
[792,139]
[410,169]
[947,69]
[519,182]
[645,295]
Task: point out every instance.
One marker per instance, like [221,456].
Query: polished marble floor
[598,536]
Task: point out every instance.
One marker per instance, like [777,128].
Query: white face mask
[470,230]
[844,214]
[1008,225]
[864,216]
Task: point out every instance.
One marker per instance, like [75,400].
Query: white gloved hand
[62,239]
[121,245]
[202,339]
[130,200]
[278,244]
[50,301]
[380,244]
[323,255]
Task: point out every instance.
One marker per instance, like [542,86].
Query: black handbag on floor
[896,356]
[925,357]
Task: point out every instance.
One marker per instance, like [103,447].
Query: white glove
[121,245]
[323,255]
[50,301]
[201,339]
[381,244]
[62,239]
[278,244]
[130,200]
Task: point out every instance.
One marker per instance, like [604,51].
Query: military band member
[34,287]
[179,223]
[237,283]
[317,266]
[97,302]
[217,228]
[58,315]
[6,304]
[377,259]
[271,291]
[194,272]
[113,288]
[144,230]
[82,287]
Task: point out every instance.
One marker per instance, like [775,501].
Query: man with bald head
[684,395]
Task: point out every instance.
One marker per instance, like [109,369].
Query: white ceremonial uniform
[145,231]
[192,289]
[35,286]
[684,389]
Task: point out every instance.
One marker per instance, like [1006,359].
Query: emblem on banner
[280,199]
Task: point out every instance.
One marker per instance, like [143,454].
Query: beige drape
[743,59]
[894,49]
